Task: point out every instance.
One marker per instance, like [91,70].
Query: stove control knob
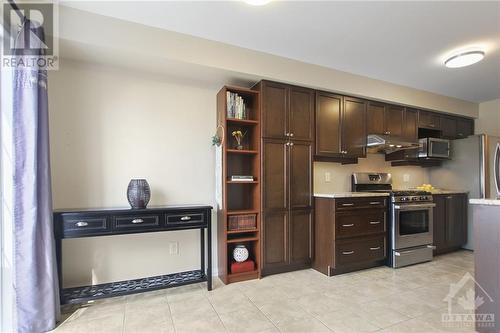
[423,198]
[414,199]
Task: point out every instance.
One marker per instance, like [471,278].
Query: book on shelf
[242,178]
[236,107]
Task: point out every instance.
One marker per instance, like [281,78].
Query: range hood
[388,144]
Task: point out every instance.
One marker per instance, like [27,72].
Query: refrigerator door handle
[483,165]
[497,169]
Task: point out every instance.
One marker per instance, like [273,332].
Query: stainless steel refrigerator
[474,167]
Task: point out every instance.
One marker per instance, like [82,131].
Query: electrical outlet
[174,248]
[327,177]
[406,178]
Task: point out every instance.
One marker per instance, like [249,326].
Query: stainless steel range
[410,235]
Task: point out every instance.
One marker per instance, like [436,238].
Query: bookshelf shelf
[234,103]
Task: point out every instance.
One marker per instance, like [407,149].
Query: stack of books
[236,107]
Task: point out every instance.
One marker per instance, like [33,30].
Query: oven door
[412,225]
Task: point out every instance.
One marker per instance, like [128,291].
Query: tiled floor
[409,299]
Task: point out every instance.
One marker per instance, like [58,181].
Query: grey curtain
[35,272]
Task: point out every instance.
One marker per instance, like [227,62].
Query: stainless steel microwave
[434,148]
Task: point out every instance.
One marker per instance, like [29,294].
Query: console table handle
[137,221]
[82,224]
[185,218]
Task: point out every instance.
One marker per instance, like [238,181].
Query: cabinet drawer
[360,250]
[185,219]
[136,222]
[365,222]
[356,203]
[85,225]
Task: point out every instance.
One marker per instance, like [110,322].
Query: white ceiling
[400,42]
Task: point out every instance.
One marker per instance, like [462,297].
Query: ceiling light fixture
[463,59]
[257,2]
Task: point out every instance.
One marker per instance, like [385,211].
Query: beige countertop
[488,202]
[440,191]
[350,195]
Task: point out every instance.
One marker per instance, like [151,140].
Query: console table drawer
[185,219]
[136,222]
[85,225]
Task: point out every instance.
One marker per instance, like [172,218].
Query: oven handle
[414,207]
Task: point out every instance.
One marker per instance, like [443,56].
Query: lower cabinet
[449,222]
[350,234]
[287,240]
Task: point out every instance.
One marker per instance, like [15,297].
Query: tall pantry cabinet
[287,134]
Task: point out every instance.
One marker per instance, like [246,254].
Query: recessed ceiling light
[257,2]
[463,59]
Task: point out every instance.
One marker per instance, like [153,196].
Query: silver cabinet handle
[137,221]
[347,252]
[81,224]
[288,143]
[432,125]
[185,218]
[348,225]
[375,203]
[291,143]
[347,204]
[433,247]
[287,134]
[291,134]
[375,248]
[374,222]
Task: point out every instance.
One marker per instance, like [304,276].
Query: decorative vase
[239,147]
[240,253]
[138,193]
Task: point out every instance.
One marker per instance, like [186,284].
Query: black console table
[108,222]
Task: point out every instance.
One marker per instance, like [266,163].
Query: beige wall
[489,118]
[340,175]
[109,125]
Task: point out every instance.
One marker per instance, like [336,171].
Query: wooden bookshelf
[239,198]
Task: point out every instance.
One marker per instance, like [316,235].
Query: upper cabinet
[410,125]
[375,118]
[288,112]
[340,126]
[429,120]
[392,120]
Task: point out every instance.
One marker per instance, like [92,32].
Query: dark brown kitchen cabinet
[275,242]
[300,155]
[301,224]
[456,127]
[340,126]
[354,127]
[328,124]
[375,118]
[429,120]
[410,125]
[450,222]
[350,234]
[395,117]
[274,175]
[288,111]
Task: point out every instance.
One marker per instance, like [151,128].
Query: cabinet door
[301,115]
[465,127]
[394,118]
[439,223]
[354,127]
[375,118]
[274,173]
[328,118]
[410,128]
[300,174]
[428,119]
[456,226]
[301,236]
[449,127]
[275,240]
[274,110]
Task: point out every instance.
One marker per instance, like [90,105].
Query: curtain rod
[16,8]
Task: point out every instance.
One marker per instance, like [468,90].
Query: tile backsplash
[335,177]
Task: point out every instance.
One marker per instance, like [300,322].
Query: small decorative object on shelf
[240,253]
[138,193]
[242,267]
[238,135]
[242,178]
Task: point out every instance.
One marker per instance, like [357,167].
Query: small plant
[238,136]
[216,140]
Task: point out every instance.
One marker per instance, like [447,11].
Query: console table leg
[202,248]
[209,241]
